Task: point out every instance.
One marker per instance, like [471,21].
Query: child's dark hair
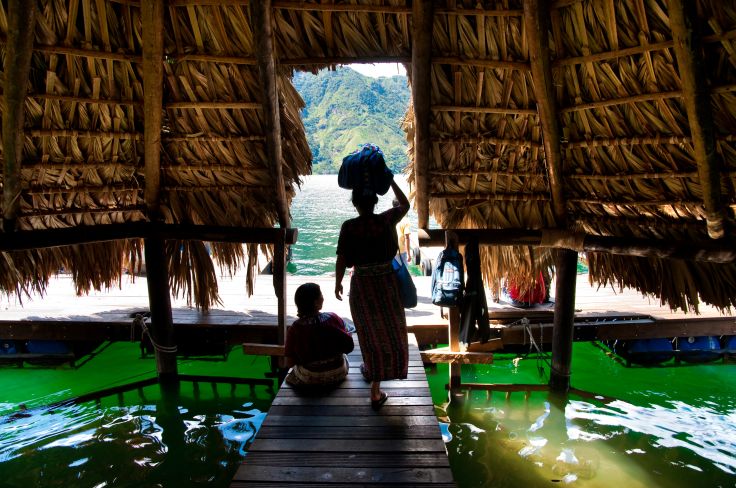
[304,297]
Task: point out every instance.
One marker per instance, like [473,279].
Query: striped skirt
[380,322]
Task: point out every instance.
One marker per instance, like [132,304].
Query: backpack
[365,168]
[448,279]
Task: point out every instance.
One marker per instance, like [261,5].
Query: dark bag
[407,290]
[366,169]
[448,279]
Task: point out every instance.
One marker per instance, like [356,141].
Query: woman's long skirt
[380,322]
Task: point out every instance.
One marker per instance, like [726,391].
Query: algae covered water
[669,426]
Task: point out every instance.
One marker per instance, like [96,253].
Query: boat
[702,349]
[644,352]
[729,348]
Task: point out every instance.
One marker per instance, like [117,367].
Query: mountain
[345,109]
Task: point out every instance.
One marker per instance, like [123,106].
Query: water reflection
[175,438]
[540,439]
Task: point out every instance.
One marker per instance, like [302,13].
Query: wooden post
[152,16]
[562,335]
[697,100]
[421,91]
[454,342]
[19,47]
[159,299]
[279,284]
[263,28]
[536,14]
[452,242]
[157,273]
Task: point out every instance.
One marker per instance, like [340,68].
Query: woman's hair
[304,297]
[364,200]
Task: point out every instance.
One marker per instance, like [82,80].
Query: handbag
[407,290]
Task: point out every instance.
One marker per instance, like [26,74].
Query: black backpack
[448,279]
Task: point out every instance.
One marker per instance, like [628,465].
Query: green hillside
[345,109]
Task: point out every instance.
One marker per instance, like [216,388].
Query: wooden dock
[335,439]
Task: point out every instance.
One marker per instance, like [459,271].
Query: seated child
[317,342]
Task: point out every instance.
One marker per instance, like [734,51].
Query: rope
[140,320]
[542,357]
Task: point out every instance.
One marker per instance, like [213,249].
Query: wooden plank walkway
[335,439]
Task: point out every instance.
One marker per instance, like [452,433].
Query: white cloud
[378,70]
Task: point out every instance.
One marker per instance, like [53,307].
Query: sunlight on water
[543,440]
[175,440]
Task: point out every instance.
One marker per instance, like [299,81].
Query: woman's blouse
[316,338]
[370,239]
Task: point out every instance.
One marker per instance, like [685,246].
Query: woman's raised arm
[403,201]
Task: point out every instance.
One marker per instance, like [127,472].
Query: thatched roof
[584,115]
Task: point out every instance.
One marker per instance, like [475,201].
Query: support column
[454,342]
[452,242]
[536,23]
[152,15]
[421,92]
[162,325]
[21,23]
[263,29]
[566,263]
[278,269]
[697,100]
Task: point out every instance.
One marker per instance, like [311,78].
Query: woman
[368,243]
[317,342]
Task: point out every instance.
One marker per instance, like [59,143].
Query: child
[317,342]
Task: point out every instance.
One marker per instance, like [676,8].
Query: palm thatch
[595,123]
[82,149]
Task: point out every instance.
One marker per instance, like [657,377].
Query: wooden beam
[562,334]
[485,110]
[263,349]
[263,28]
[18,50]
[161,329]
[83,133]
[646,97]
[121,329]
[239,105]
[697,99]
[445,355]
[85,100]
[480,139]
[421,91]
[40,239]
[714,252]
[667,328]
[152,15]
[536,15]
[84,53]
[482,63]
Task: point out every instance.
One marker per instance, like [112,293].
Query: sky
[377,70]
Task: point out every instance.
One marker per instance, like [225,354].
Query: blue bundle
[365,169]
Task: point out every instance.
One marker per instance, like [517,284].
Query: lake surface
[318,210]
[671,426]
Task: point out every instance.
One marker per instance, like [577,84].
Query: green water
[669,426]
[662,426]
[143,435]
